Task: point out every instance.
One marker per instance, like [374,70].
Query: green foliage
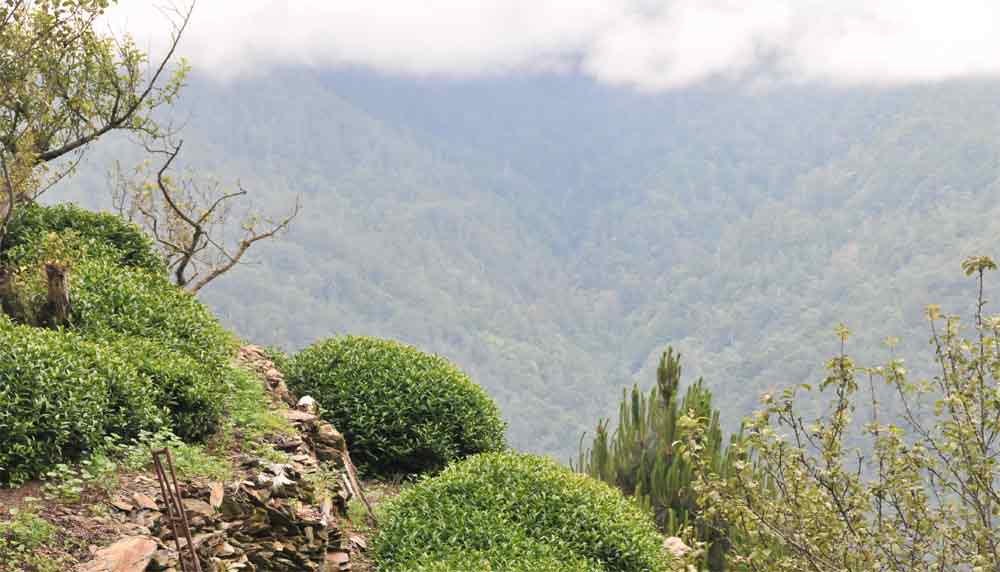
[33,222]
[910,488]
[59,396]
[643,457]
[110,301]
[66,483]
[192,391]
[74,81]
[278,356]
[400,409]
[139,353]
[100,470]
[191,460]
[523,555]
[21,537]
[551,246]
[248,407]
[509,511]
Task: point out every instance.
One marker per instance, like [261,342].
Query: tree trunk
[56,311]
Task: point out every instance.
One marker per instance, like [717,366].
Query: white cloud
[642,43]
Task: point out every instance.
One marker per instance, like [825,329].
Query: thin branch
[116,120]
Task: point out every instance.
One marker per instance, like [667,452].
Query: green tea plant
[32,223]
[138,353]
[510,511]
[60,395]
[400,409]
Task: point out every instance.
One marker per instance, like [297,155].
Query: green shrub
[59,396]
[192,392]
[400,409]
[139,353]
[111,302]
[32,222]
[515,512]
[530,557]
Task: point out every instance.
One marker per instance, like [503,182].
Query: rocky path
[273,516]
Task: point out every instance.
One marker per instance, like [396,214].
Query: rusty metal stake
[176,515]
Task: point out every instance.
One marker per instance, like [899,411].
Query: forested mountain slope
[551,235]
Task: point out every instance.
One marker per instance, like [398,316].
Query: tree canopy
[65,83]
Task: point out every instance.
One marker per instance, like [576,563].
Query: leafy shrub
[513,558]
[110,302]
[510,511]
[193,392]
[32,222]
[399,408]
[140,354]
[59,396]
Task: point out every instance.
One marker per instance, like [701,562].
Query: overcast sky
[646,44]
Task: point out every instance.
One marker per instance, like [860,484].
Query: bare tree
[191,221]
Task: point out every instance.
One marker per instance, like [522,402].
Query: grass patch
[249,407]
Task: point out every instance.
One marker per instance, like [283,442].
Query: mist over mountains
[552,235]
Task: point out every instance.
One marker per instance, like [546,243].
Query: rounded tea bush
[401,410]
[193,393]
[111,301]
[512,511]
[32,222]
[137,354]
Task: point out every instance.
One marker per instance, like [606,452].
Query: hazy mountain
[551,235]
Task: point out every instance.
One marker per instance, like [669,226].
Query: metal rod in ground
[176,515]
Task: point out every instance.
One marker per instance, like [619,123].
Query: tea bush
[110,301]
[510,511]
[400,409]
[514,558]
[32,222]
[192,392]
[59,396]
[139,354]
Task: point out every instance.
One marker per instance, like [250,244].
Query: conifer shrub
[511,511]
[641,456]
[33,222]
[401,410]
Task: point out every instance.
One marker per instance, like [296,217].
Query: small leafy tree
[642,457]
[921,492]
[64,84]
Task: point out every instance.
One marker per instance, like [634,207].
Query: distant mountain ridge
[551,236]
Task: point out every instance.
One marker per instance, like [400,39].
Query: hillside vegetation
[137,355]
[503,511]
[141,364]
[552,236]
[402,410]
